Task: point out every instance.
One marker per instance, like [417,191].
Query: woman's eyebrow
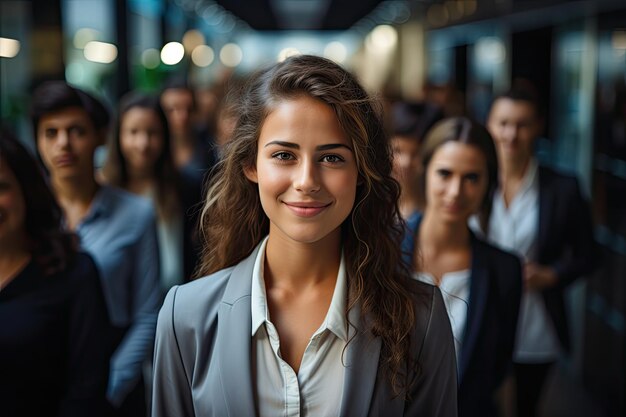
[318,148]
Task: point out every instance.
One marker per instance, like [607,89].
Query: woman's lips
[306,209]
[65,160]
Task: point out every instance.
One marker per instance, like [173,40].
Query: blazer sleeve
[579,258]
[434,391]
[171,390]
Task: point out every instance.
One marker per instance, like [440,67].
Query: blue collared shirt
[119,232]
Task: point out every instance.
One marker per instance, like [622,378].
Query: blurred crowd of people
[87,254]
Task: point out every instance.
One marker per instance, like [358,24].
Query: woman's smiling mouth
[306,209]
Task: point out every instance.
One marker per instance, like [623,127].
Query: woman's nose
[306,177]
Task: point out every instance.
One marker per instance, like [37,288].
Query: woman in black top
[53,321]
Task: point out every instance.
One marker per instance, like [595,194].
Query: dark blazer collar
[546,206]
[234,349]
[479,292]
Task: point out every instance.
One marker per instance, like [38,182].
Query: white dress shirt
[455,288]
[316,390]
[516,229]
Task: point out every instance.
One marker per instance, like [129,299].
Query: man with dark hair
[541,215]
[117,228]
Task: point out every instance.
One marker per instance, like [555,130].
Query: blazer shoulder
[558,180]
[195,303]
[431,319]
[496,255]
[505,267]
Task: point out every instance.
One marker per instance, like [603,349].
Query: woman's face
[141,139]
[406,160]
[456,181]
[12,207]
[305,170]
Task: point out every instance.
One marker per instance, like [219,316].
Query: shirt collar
[529,182]
[530,177]
[335,320]
[101,203]
[260,310]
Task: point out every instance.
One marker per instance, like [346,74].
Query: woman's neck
[438,236]
[409,201]
[75,190]
[140,182]
[75,197]
[513,170]
[298,266]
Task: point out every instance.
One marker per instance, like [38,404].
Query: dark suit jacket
[565,241]
[202,359]
[489,337]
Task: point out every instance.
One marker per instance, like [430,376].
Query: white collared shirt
[316,390]
[516,229]
[455,288]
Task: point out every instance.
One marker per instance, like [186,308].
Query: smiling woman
[306,305]
[305,167]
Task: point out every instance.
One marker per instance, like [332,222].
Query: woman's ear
[251,174]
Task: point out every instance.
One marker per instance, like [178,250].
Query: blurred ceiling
[300,14]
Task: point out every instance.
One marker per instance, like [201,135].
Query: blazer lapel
[234,340]
[362,357]
[479,291]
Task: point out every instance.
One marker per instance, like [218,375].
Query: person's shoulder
[123,200]
[82,263]
[559,179]
[413,221]
[135,211]
[423,295]
[496,255]
[82,273]
[195,302]
[505,267]
[432,325]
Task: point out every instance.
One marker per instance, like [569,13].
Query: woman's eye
[77,131]
[333,159]
[473,178]
[444,173]
[282,156]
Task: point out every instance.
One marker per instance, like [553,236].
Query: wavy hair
[165,174]
[468,132]
[233,221]
[52,248]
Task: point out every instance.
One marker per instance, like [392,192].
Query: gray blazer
[202,358]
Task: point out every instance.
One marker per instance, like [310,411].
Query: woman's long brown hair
[165,174]
[233,222]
